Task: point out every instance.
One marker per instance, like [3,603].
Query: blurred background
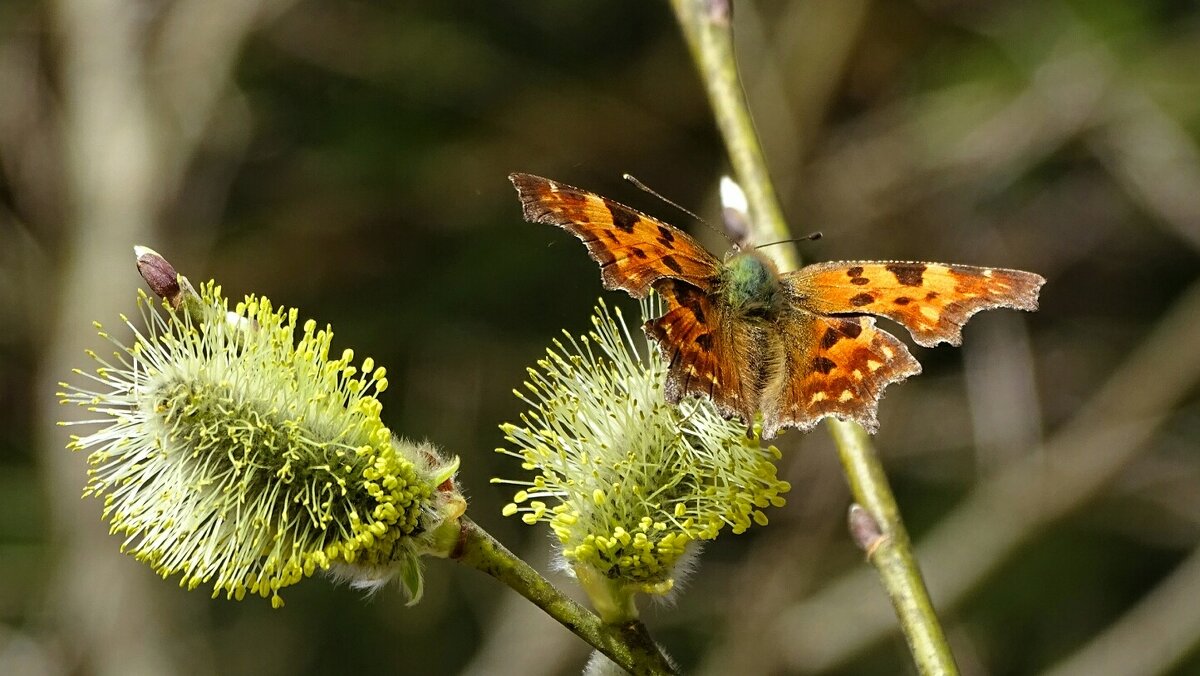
[349,158]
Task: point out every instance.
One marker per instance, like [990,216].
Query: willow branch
[628,645]
[707,26]
[891,553]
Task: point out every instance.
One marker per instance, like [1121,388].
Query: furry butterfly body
[795,347]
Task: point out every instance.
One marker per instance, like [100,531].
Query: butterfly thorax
[749,282]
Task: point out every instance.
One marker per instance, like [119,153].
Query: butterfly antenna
[807,238]
[642,186]
[633,179]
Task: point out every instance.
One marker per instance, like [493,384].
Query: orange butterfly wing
[839,365]
[634,250]
[931,300]
[832,366]
[708,351]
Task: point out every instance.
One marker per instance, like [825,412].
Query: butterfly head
[750,282]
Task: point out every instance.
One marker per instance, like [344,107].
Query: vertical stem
[892,554]
[707,26]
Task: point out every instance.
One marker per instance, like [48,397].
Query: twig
[504,647]
[628,645]
[892,553]
[707,25]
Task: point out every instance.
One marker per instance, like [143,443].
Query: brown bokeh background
[349,158]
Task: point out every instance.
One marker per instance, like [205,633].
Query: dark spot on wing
[850,328]
[931,295]
[855,271]
[859,281]
[665,235]
[622,217]
[862,299]
[672,264]
[637,252]
[823,365]
[570,197]
[908,274]
[831,337]
[902,300]
[704,340]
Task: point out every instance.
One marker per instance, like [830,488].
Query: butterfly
[796,347]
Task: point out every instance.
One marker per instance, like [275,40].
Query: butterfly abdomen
[750,284]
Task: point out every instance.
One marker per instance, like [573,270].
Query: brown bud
[158,273]
[865,530]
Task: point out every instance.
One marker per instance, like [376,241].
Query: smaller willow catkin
[626,481]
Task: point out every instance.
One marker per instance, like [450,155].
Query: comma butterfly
[796,347]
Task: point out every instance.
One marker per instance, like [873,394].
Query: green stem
[892,554]
[709,35]
[627,644]
[707,26]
